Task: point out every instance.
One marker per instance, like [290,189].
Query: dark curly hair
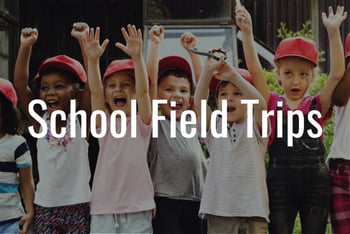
[9,117]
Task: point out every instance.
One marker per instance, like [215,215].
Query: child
[177,164]
[122,192]
[339,155]
[63,193]
[235,194]
[297,177]
[14,158]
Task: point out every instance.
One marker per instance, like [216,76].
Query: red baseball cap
[215,82]
[347,46]
[65,63]
[8,91]
[297,47]
[123,65]
[174,62]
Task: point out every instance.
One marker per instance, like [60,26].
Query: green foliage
[305,31]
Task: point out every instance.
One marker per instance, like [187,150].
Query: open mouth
[231,109]
[178,106]
[52,104]
[119,102]
[295,90]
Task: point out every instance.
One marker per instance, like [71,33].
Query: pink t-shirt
[304,106]
[122,182]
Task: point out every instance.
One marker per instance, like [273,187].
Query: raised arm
[244,22]
[93,50]
[29,37]
[133,48]
[229,73]
[337,67]
[78,32]
[202,89]
[341,93]
[188,41]
[156,34]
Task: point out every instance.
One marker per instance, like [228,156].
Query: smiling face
[236,112]
[178,89]
[295,76]
[119,90]
[56,90]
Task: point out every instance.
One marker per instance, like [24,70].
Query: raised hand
[91,42]
[211,65]
[78,30]
[133,39]
[243,19]
[156,34]
[29,36]
[333,21]
[188,41]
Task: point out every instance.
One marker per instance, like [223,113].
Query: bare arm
[244,21]
[188,41]
[337,69]
[229,73]
[94,51]
[21,74]
[27,191]
[202,89]
[133,48]
[78,32]
[341,93]
[156,35]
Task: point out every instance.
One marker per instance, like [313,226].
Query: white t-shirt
[64,171]
[235,185]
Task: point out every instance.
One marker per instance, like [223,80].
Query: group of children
[164,185]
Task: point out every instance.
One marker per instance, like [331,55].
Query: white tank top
[64,172]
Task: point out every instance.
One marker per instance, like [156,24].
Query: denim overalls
[298,181]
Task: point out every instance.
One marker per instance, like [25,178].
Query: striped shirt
[14,154]
[235,185]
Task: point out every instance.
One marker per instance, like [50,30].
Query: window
[191,12]
[8,29]
[208,37]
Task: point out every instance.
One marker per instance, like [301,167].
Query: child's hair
[297,47]
[176,66]
[9,115]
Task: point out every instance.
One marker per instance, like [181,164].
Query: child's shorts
[140,222]
[10,227]
[62,219]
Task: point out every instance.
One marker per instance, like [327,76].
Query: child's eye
[287,73]
[59,86]
[237,93]
[43,88]
[222,94]
[184,91]
[304,74]
[126,85]
[168,89]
